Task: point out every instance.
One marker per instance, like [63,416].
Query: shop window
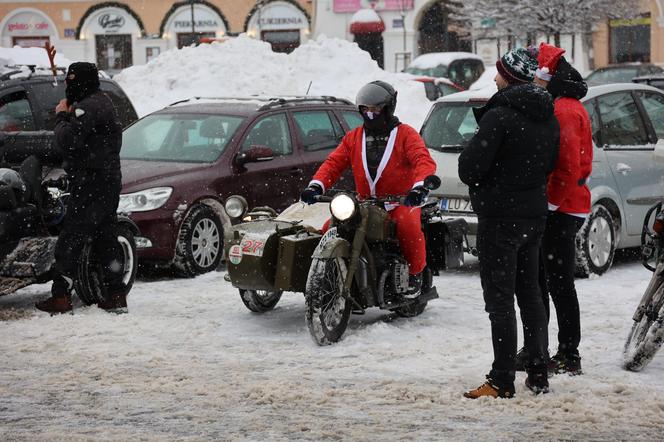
[188,39]
[630,40]
[622,124]
[282,41]
[316,130]
[272,132]
[113,51]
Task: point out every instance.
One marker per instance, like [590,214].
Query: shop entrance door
[113,52]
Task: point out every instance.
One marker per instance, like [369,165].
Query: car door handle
[623,168]
[295,171]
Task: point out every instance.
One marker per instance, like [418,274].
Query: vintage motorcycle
[647,333]
[31,213]
[357,264]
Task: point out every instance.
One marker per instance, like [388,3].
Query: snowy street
[190,362]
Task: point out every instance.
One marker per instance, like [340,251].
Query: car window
[447,89]
[315,129]
[179,137]
[614,75]
[48,97]
[15,113]
[654,105]
[271,131]
[622,124]
[594,121]
[464,72]
[449,127]
[353,119]
[126,112]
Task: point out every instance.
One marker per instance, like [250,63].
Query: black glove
[309,194]
[416,196]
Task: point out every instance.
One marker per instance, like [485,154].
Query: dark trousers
[509,265]
[559,264]
[90,218]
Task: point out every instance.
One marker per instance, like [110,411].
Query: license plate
[455,205]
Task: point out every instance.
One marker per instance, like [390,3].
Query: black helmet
[11,178]
[377,93]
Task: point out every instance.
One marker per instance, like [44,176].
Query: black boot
[537,381]
[521,359]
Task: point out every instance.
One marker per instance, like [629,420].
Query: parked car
[621,73]
[179,164]
[28,97]
[435,88]
[462,68]
[627,122]
[655,80]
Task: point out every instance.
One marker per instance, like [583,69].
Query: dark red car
[179,164]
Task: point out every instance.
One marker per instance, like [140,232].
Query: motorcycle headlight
[343,207]
[148,199]
[236,206]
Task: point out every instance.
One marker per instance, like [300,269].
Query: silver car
[627,122]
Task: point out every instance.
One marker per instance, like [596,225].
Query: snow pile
[243,66]
[30,56]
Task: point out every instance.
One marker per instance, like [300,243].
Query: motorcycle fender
[332,248]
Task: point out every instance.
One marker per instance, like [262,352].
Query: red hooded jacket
[567,187]
[405,164]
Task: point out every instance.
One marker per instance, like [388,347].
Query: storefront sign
[26,24]
[278,16]
[205,20]
[378,5]
[108,21]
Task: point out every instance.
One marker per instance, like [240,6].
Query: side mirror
[431,182]
[658,154]
[255,154]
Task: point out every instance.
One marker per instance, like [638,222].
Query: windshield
[450,126]
[438,71]
[621,75]
[189,138]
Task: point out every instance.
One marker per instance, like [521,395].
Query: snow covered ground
[189,362]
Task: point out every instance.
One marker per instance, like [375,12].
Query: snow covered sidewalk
[191,363]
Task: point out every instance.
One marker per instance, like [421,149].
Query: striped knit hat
[517,66]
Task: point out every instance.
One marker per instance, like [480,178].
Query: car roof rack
[272,101]
[33,70]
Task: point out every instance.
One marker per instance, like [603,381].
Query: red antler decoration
[50,50]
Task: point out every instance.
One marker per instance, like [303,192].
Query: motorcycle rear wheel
[327,309]
[647,335]
[88,283]
[260,301]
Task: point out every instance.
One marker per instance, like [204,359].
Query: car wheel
[595,243]
[200,243]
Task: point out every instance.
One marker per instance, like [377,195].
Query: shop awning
[366,21]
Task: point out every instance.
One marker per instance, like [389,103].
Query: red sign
[378,5]
[22,26]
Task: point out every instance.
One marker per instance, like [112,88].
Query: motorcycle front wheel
[647,334]
[327,309]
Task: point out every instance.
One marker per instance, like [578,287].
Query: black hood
[567,82]
[533,101]
[81,81]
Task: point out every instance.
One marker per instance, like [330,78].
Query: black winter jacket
[90,136]
[507,161]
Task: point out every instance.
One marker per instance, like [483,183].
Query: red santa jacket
[405,164]
[566,187]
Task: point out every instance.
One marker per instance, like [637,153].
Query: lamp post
[193,23]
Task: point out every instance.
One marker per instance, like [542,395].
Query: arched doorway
[438,32]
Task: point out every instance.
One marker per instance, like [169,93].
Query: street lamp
[193,23]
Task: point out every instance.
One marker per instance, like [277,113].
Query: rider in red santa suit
[387,157]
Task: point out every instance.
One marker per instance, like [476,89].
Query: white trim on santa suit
[383,162]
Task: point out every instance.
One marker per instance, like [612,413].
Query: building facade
[118,34]
[409,28]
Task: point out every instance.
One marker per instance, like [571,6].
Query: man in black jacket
[505,165]
[89,135]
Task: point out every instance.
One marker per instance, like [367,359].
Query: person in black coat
[88,133]
[505,166]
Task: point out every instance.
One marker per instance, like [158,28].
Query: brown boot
[488,389]
[55,305]
[114,303]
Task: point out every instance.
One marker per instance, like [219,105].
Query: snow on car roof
[428,61]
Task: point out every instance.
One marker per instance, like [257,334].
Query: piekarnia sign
[277,21]
[186,24]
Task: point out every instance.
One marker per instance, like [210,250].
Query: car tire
[595,243]
[200,243]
